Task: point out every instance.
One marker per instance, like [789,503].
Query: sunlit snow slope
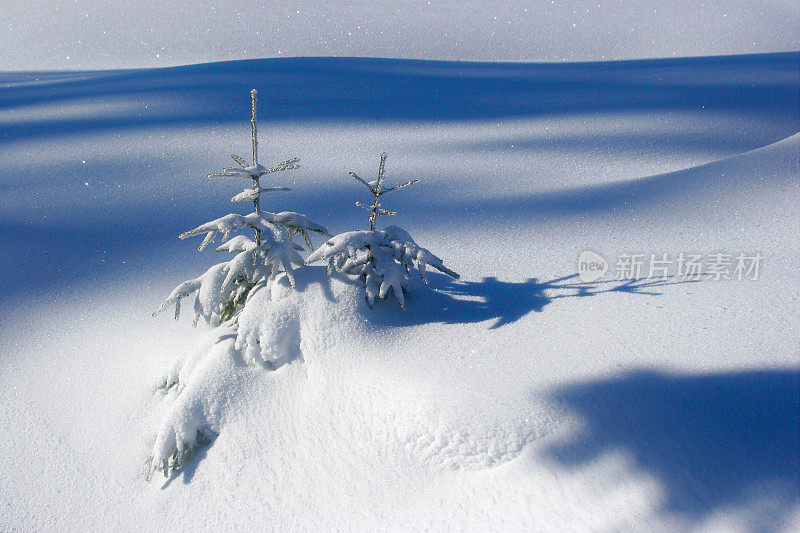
[510,400]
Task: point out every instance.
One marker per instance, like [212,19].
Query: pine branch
[406,184]
[289,164]
[362,182]
[228,224]
[380,173]
[248,195]
[248,172]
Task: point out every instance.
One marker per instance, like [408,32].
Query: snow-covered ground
[514,399]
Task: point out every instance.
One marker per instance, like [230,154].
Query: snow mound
[325,318]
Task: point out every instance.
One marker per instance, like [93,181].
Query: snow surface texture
[513,399]
[81,34]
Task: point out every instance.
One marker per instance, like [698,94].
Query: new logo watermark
[591,266]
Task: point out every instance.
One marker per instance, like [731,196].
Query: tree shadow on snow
[449,301]
[714,441]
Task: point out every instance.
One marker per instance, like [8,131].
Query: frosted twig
[253,127]
[362,182]
[406,184]
[289,164]
[239,160]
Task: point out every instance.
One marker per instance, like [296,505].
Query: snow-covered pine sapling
[223,290]
[380,259]
[221,294]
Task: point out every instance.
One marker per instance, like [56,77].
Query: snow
[515,398]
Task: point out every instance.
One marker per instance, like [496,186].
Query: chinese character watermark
[714,266]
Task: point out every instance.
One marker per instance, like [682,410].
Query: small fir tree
[380,259]
[222,291]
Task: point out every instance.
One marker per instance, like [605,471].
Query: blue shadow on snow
[395,90]
[712,440]
[450,301]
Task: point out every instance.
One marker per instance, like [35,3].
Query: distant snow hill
[392,90]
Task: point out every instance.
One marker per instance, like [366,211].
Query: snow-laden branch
[224,287]
[254,171]
[249,195]
[263,221]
